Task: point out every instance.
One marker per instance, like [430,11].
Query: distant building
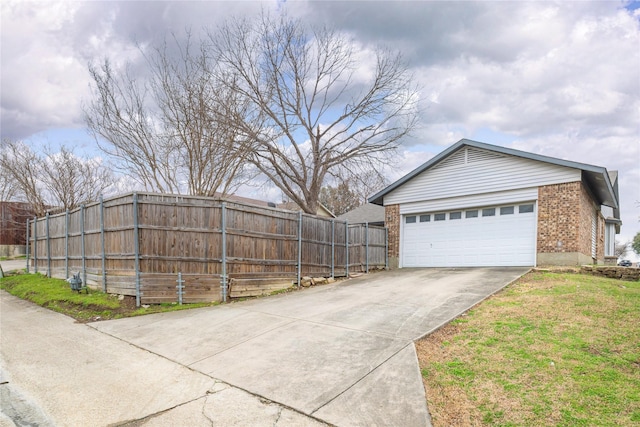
[13,227]
[367,213]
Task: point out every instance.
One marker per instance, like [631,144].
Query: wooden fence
[164,248]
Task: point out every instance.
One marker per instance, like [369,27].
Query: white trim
[475,200]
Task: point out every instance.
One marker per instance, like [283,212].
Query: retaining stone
[631,274]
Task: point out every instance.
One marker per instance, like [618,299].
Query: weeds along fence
[167,248]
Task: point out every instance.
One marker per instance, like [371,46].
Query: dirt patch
[94,313]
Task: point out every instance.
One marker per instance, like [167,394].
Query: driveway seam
[360,379]
[359,330]
[316,322]
[242,342]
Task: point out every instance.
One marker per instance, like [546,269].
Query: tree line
[310,109]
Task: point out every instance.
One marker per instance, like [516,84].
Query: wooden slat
[183,234]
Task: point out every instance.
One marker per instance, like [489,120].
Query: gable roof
[596,177]
[364,213]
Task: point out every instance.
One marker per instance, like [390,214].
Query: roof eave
[605,190]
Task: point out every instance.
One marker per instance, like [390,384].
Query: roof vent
[474,155]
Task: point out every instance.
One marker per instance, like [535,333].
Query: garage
[481,205]
[501,235]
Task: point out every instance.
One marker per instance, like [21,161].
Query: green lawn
[550,350]
[56,294]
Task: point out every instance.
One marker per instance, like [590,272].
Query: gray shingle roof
[366,213]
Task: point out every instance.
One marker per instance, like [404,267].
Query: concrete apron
[55,372]
[341,353]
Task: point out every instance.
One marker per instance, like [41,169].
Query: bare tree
[8,187]
[25,168]
[166,131]
[119,114]
[71,181]
[621,248]
[339,199]
[50,180]
[366,183]
[635,243]
[318,103]
[352,191]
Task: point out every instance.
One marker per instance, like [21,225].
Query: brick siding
[565,213]
[392,222]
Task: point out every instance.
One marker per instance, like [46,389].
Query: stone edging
[631,274]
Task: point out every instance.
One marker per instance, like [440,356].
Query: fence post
[35,244]
[66,244]
[346,244]
[299,246]
[386,248]
[180,287]
[333,247]
[104,261]
[48,247]
[27,245]
[366,248]
[223,276]
[84,263]
[136,247]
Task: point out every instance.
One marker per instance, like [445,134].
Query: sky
[560,79]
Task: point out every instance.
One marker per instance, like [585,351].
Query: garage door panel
[500,240]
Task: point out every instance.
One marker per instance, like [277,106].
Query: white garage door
[477,237]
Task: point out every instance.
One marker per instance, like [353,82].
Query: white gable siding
[474,200]
[471,171]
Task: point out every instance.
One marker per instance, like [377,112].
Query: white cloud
[560,79]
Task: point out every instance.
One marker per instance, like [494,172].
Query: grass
[7,258]
[56,294]
[550,350]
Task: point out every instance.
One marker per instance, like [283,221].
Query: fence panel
[260,241]
[57,243]
[317,249]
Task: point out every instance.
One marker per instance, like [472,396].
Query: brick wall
[585,220]
[559,208]
[565,213]
[392,222]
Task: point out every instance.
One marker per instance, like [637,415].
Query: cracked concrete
[229,406]
[68,374]
[18,409]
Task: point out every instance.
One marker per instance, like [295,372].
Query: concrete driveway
[13,264]
[341,353]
